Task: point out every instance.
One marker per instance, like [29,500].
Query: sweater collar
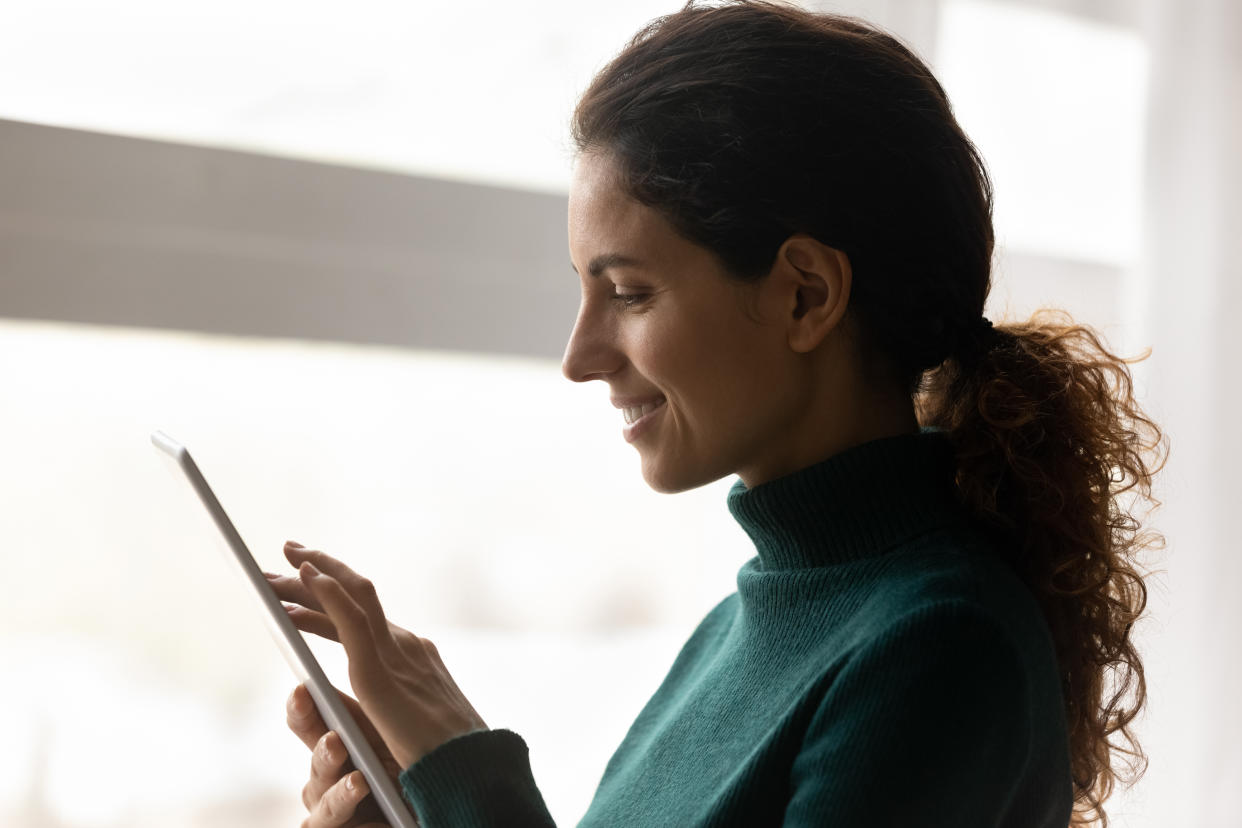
[859,502]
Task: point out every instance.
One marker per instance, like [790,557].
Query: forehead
[606,223]
[597,204]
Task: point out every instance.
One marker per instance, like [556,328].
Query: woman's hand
[335,796]
[402,685]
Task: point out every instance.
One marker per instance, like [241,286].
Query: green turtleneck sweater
[878,665]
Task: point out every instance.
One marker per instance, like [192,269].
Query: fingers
[302,717]
[328,758]
[335,808]
[328,795]
[353,628]
[292,589]
[360,590]
[309,617]
[304,720]
[316,623]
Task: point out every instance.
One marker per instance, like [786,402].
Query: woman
[784,244]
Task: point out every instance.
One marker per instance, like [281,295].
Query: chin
[673,480]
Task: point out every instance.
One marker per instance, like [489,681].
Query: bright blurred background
[323,246]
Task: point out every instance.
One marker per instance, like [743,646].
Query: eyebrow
[604,261]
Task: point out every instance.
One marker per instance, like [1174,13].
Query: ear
[814,282]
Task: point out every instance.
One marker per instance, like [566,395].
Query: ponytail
[1049,438]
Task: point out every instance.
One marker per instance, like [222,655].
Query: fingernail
[309,570]
[351,782]
[294,544]
[301,704]
[270,575]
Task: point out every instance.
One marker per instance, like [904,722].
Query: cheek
[752,381]
[711,371]
[705,355]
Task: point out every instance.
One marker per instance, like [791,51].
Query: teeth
[632,414]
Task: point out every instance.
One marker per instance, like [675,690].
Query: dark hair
[748,122]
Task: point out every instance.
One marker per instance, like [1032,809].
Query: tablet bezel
[291,644]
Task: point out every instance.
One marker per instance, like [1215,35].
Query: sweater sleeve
[478,780]
[927,724]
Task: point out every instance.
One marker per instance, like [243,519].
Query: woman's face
[661,324]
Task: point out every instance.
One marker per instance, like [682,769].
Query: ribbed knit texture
[879,665]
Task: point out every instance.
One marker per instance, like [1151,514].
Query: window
[483,495]
[490,499]
[386,84]
[1056,105]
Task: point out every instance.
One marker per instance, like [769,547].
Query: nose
[590,353]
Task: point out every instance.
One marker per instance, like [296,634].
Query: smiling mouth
[638,412]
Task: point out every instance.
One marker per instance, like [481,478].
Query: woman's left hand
[397,677]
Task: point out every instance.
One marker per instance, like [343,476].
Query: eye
[629,300]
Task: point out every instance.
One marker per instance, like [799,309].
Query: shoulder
[944,614]
[943,637]
[950,580]
[938,695]
[946,674]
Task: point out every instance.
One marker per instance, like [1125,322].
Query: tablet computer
[291,644]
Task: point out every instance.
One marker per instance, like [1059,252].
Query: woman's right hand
[335,795]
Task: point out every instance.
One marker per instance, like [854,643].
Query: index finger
[303,718]
[360,590]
